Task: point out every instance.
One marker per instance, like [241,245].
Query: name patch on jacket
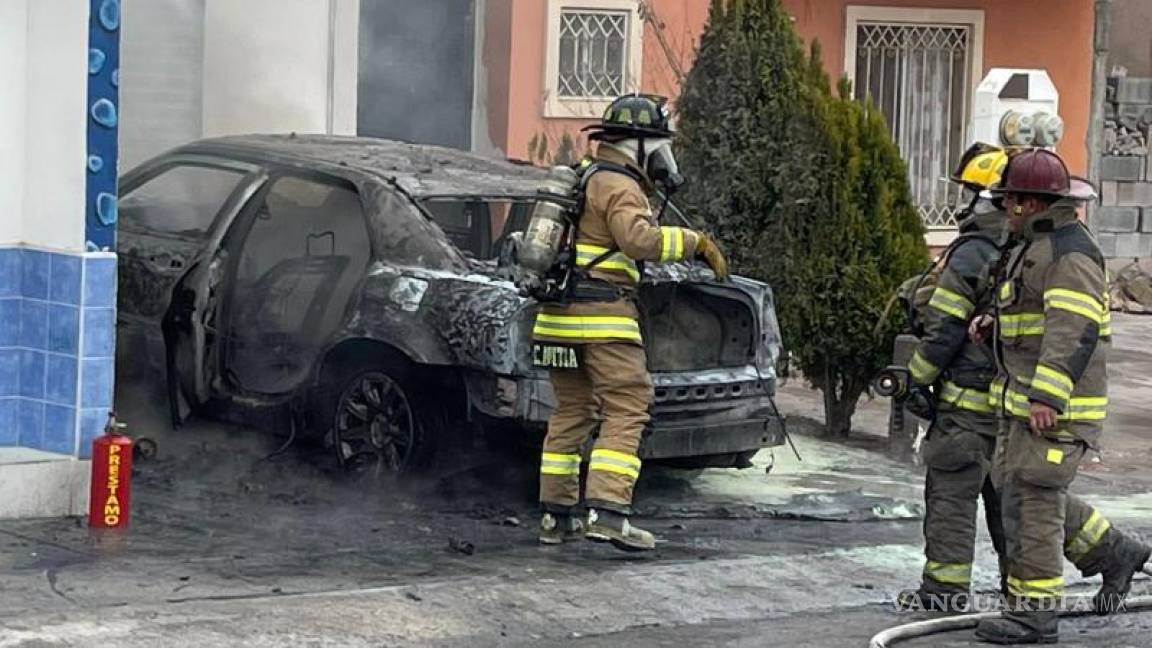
[556,356]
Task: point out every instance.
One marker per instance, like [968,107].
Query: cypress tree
[804,189]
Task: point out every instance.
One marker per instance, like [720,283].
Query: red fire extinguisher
[111,477]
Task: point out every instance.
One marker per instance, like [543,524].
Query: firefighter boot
[1129,558]
[1019,629]
[928,599]
[609,526]
[558,528]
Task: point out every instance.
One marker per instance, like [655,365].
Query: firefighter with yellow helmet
[962,438]
[598,330]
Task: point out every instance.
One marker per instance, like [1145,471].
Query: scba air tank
[550,219]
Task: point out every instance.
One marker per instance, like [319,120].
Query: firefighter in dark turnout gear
[962,439]
[1053,330]
[611,390]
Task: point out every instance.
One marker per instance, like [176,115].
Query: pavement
[232,544]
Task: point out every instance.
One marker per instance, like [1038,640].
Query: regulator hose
[1083,607]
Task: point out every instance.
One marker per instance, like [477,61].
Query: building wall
[55,124]
[683,21]
[1014,36]
[1131,44]
[163,76]
[277,66]
[1061,44]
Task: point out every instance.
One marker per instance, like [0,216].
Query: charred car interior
[365,287]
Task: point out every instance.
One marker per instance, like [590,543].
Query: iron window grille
[593,54]
[919,76]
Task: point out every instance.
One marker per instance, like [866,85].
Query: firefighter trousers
[959,452]
[1043,523]
[612,392]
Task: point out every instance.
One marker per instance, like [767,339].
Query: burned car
[364,286]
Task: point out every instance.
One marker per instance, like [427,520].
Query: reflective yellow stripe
[951,303]
[1053,381]
[1088,536]
[585,327]
[672,244]
[552,463]
[1074,302]
[968,399]
[1106,325]
[619,262]
[615,462]
[1006,291]
[951,573]
[1037,588]
[923,371]
[1079,408]
[1021,324]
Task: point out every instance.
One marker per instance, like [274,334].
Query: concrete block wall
[1123,221]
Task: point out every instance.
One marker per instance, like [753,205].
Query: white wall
[13,55]
[279,66]
[161,77]
[43,112]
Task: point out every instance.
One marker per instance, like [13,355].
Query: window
[919,67]
[182,200]
[593,49]
[304,254]
[594,55]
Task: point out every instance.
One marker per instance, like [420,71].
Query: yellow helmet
[981,166]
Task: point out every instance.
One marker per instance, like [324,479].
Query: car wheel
[375,424]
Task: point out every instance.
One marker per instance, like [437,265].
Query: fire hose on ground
[918,629]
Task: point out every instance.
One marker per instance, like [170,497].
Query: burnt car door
[297,256]
[173,213]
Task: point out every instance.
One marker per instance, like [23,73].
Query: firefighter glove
[708,249]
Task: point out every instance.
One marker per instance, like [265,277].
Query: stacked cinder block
[1123,222]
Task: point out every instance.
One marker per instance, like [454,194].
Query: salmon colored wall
[682,21]
[497,63]
[1054,35]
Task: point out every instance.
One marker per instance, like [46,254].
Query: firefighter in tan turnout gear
[962,439]
[610,390]
[1053,332]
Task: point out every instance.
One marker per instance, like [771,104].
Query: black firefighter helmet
[633,115]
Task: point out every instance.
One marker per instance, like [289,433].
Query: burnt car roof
[420,170]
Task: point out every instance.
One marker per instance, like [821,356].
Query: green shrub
[804,189]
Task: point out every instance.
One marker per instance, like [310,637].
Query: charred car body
[364,285]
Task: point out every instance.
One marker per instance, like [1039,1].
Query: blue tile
[33,324]
[99,333]
[9,322]
[100,281]
[63,328]
[9,421]
[32,373]
[97,380]
[10,278]
[91,426]
[31,416]
[9,372]
[64,284]
[60,429]
[34,274]
[61,379]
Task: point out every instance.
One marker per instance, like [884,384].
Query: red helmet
[1035,171]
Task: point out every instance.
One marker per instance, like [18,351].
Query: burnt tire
[373,417]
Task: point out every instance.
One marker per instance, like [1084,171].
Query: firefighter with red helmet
[602,382]
[1053,331]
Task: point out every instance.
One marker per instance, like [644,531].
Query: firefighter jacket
[617,221]
[962,371]
[1054,327]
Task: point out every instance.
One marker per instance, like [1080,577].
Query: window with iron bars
[919,76]
[593,54]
